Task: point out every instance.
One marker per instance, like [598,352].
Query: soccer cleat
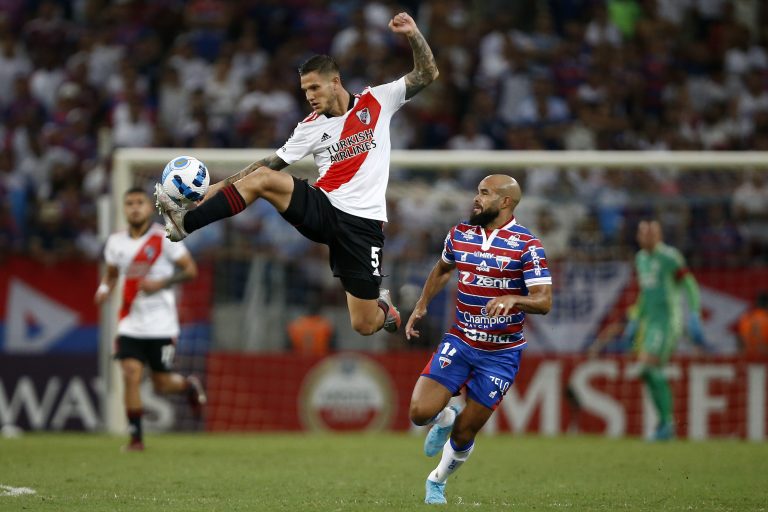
[664,432]
[172,213]
[196,396]
[392,321]
[435,493]
[438,436]
[134,446]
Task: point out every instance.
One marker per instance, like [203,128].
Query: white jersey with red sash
[491,263]
[150,256]
[351,151]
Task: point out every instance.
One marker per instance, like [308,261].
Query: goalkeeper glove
[696,331]
[630,331]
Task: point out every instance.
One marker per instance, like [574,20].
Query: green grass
[73,472]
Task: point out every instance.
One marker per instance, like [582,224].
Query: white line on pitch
[7,490]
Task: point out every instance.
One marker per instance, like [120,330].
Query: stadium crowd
[79,78]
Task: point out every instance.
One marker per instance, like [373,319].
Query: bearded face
[482,216]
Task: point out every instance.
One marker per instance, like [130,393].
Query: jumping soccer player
[345,209]
[150,265]
[656,319]
[502,275]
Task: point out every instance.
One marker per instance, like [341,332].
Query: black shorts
[355,243]
[156,352]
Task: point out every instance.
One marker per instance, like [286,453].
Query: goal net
[266,324]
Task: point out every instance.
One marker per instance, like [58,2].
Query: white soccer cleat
[172,213]
[392,320]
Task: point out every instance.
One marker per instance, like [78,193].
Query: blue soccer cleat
[435,493]
[664,432]
[438,436]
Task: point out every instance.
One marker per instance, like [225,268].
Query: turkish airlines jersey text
[352,151]
[151,256]
[492,263]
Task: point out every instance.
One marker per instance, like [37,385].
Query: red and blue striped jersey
[491,263]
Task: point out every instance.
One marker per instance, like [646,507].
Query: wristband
[103,288]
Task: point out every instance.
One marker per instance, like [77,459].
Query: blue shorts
[486,374]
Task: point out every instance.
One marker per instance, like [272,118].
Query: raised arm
[436,281]
[424,66]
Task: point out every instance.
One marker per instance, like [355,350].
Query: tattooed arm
[424,65]
[272,161]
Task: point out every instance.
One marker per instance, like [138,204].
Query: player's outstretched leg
[391,314]
[441,430]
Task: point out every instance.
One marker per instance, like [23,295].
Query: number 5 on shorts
[375,257]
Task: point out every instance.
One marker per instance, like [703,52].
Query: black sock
[134,423]
[226,203]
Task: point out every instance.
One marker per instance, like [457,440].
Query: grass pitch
[71,472]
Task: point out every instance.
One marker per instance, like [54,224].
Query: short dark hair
[323,64]
[135,190]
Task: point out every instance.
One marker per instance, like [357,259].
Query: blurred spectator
[469,139]
[311,334]
[718,242]
[132,123]
[13,63]
[173,102]
[222,89]
[624,14]
[265,95]
[248,58]
[601,30]
[752,328]
[753,99]
[52,238]
[77,81]
[545,112]
[358,29]
[750,209]
[553,234]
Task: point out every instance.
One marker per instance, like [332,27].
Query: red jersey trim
[363,117]
[143,260]
[311,117]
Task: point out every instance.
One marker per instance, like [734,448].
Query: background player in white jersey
[503,275]
[148,326]
[348,135]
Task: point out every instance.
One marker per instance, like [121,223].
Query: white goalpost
[132,166]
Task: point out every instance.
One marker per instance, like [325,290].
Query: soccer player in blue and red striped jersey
[503,275]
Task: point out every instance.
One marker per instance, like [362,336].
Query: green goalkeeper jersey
[658,275]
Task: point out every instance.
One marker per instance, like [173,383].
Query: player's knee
[364,326]
[258,182]
[131,375]
[419,414]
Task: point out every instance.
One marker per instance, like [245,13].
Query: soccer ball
[185,179]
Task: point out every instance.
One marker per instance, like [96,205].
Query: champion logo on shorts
[325,137]
[444,361]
